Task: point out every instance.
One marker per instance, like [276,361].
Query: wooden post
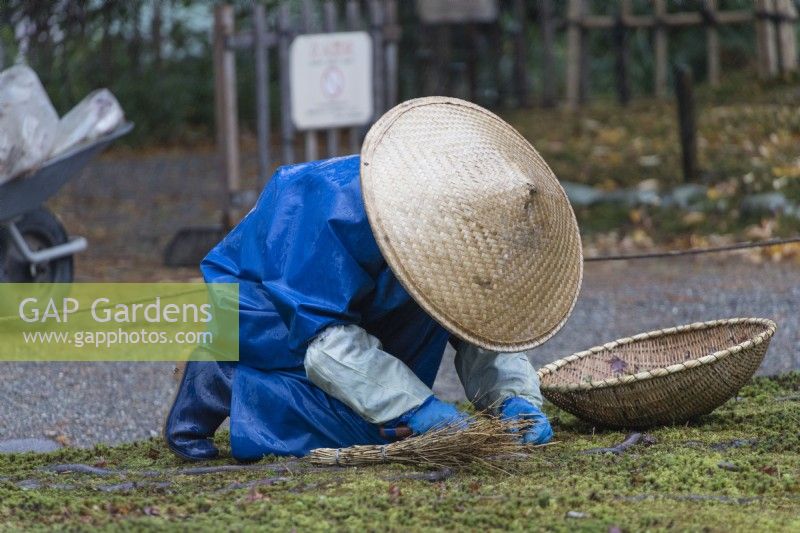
[225,108]
[423,59]
[686,121]
[661,50]
[775,19]
[311,137]
[157,38]
[765,40]
[284,40]
[574,46]
[353,22]
[786,36]
[438,76]
[584,55]
[712,41]
[473,36]
[378,73]
[520,52]
[547,28]
[331,24]
[790,31]
[392,31]
[262,91]
[495,56]
[622,53]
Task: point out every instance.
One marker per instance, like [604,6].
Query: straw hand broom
[484,438]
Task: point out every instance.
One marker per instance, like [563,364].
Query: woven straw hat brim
[683,372]
[472,221]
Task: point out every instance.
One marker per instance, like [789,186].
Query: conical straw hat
[472,222]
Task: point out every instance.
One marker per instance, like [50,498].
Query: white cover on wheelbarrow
[28,122]
[96,115]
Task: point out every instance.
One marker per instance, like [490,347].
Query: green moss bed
[737,469]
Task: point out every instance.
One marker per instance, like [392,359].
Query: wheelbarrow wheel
[41,229]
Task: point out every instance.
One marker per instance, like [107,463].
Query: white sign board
[457,11]
[330,76]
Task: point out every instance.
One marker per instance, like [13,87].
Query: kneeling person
[355,272]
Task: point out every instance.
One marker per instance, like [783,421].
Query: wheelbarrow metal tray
[31,190]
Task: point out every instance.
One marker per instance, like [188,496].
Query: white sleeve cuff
[348,363]
[490,378]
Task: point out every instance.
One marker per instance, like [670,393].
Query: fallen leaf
[693,218]
[770,470]
[394,493]
[727,465]
[618,366]
[254,495]
[648,440]
[649,160]
[611,135]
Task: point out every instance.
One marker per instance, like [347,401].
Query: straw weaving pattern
[660,377]
[472,221]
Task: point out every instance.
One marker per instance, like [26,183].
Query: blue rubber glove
[516,408]
[433,414]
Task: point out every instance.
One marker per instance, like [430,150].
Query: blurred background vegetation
[155,56]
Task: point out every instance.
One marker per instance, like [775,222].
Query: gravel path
[128,207]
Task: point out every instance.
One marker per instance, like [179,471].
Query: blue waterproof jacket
[305,259]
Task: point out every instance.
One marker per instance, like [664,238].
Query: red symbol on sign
[332,82]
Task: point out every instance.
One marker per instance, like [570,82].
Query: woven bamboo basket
[662,377]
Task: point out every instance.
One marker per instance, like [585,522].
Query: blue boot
[202,403]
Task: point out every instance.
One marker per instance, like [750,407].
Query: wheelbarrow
[34,245]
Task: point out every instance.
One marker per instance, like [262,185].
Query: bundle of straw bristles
[484,439]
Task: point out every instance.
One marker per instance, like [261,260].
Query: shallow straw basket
[660,377]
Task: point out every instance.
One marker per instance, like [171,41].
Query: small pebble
[727,465]
[117,487]
[29,484]
[28,445]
